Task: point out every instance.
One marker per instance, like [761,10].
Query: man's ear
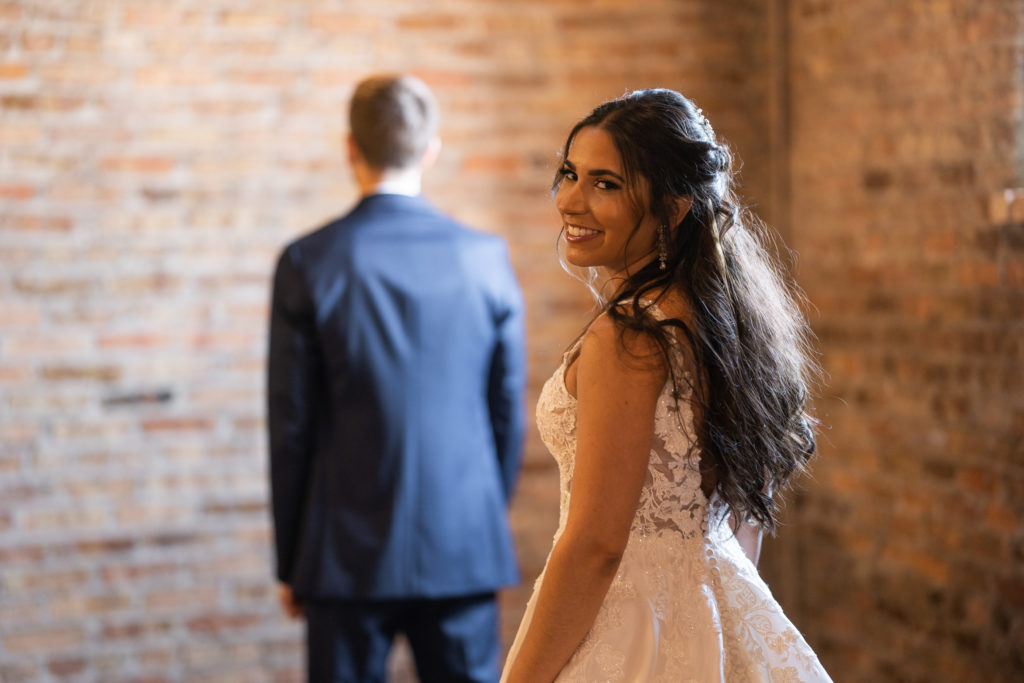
[431,153]
[354,155]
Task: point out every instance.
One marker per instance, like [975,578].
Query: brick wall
[155,155]
[906,149]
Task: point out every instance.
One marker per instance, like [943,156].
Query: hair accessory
[703,119]
[719,252]
[662,246]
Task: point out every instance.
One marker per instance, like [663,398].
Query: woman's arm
[617,383]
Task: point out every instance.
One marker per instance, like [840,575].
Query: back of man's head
[392,119]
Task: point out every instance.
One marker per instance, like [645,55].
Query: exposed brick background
[906,140]
[154,156]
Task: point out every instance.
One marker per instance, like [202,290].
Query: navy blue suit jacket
[396,381]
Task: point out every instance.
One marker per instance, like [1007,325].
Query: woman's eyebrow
[596,171]
[605,171]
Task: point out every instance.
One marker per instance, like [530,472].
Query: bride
[674,418]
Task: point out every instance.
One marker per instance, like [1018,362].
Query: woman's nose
[569,198]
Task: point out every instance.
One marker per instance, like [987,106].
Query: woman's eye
[606,185]
[568,173]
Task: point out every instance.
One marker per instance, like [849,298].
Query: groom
[396,377]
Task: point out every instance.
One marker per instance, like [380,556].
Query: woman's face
[598,214]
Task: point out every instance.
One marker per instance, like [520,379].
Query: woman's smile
[578,233]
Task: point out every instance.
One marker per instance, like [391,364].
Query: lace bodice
[686,605]
[671,499]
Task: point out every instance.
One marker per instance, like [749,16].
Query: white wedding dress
[686,605]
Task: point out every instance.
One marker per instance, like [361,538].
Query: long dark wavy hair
[749,340]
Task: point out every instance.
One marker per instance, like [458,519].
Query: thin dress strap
[651,307]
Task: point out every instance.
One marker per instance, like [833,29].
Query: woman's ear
[681,207]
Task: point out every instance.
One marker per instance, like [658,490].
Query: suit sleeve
[507,381]
[293,376]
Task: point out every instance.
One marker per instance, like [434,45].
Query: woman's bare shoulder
[607,345]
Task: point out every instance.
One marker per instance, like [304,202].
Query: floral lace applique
[686,604]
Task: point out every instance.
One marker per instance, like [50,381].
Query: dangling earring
[662,246]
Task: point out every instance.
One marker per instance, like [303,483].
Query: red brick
[36,342]
[229,108]
[444,79]
[142,284]
[38,42]
[9,11]
[35,223]
[106,546]
[271,77]
[84,44]
[345,23]
[218,623]
[158,660]
[24,493]
[244,508]
[330,77]
[18,315]
[17,191]
[137,630]
[978,275]
[89,605]
[173,75]
[123,572]
[177,424]
[44,640]
[13,71]
[76,73]
[167,17]
[19,102]
[1003,518]
[67,521]
[10,464]
[262,593]
[1014,272]
[19,133]
[99,373]
[138,164]
[66,667]
[111,489]
[1011,592]
[491,164]
[249,424]
[151,514]
[253,19]
[20,672]
[174,598]
[1005,205]
[978,479]
[429,21]
[138,340]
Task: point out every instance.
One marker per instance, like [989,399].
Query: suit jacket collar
[393,201]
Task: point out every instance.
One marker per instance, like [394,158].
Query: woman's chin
[579,262]
[581,257]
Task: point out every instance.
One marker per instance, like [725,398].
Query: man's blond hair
[392,119]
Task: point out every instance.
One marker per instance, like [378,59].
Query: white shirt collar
[410,187]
